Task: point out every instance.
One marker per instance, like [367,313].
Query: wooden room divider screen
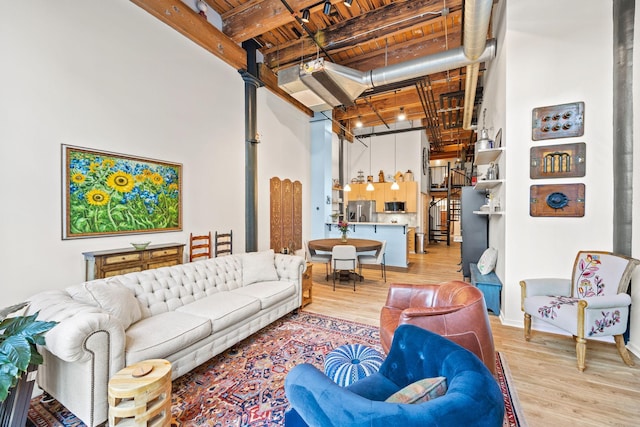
[286,215]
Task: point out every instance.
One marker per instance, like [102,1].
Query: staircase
[444,208]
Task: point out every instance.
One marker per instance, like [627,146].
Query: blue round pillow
[351,362]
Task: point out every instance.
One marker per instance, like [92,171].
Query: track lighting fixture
[401,114]
[348,3]
[327,7]
[202,8]
[305,15]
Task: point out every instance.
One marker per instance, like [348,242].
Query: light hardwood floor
[551,389]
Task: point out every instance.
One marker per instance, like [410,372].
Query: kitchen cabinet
[407,193]
[113,262]
[359,192]
[382,193]
[412,196]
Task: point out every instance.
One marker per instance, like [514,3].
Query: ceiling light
[346,187]
[348,3]
[305,16]
[327,7]
[401,114]
[359,122]
[370,187]
[395,186]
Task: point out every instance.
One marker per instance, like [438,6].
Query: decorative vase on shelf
[344,236]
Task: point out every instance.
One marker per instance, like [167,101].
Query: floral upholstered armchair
[592,304]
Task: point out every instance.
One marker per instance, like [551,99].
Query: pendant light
[370,186]
[395,185]
[401,115]
[347,187]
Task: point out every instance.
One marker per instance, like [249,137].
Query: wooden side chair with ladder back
[223,244]
[199,246]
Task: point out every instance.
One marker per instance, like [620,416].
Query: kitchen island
[395,235]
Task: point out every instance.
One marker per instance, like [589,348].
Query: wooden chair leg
[622,349]
[581,351]
[527,326]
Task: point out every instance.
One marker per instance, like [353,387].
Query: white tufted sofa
[186,314]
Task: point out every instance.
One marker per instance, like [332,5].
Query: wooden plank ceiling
[365,36]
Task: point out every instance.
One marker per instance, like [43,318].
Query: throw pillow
[117,300]
[487,261]
[258,267]
[420,391]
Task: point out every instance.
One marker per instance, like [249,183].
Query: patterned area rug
[244,386]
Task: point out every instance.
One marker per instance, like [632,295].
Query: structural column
[251,84]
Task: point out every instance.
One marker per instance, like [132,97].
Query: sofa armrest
[290,267]
[610,301]
[74,338]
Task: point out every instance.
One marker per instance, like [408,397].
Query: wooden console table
[101,264]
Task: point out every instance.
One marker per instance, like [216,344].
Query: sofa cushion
[420,391]
[164,334]
[224,308]
[269,293]
[115,299]
[258,267]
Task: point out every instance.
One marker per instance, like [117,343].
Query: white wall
[543,59]
[109,76]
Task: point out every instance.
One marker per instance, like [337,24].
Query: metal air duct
[477,14]
[322,85]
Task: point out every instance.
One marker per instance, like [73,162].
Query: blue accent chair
[473,397]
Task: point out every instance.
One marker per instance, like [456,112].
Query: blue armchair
[473,397]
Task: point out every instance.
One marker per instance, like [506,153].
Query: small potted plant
[19,336]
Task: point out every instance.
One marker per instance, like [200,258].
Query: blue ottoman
[351,362]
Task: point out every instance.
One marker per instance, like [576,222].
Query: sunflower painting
[109,194]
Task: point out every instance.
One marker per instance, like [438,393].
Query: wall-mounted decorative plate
[558,161]
[557,200]
[558,121]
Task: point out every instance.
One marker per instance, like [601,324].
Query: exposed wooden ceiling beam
[392,18]
[401,52]
[261,16]
[193,26]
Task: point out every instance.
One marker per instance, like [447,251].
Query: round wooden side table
[140,394]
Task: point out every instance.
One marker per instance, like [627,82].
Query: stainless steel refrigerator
[361,211]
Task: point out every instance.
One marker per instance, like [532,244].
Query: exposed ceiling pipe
[322,85]
[477,14]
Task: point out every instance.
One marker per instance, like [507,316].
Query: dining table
[361,245]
